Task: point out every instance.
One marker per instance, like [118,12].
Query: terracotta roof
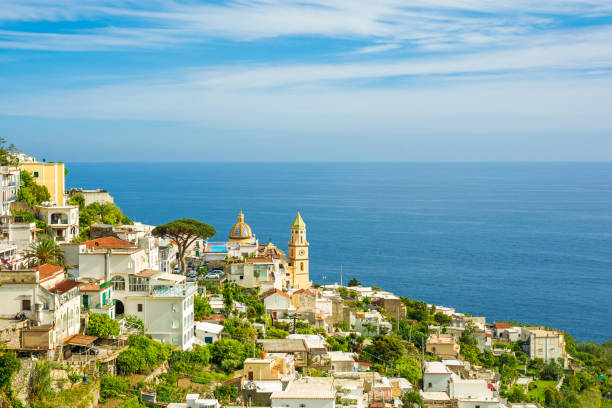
[502,325]
[46,271]
[90,287]
[64,286]
[109,242]
[80,340]
[273,291]
[304,290]
[146,273]
[217,317]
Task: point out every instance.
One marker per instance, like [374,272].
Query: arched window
[118,283]
[302,266]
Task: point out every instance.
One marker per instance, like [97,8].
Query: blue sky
[307,80]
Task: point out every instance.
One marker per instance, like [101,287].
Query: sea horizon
[486,239]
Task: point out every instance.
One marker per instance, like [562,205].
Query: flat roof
[283,345]
[436,367]
[308,388]
[435,396]
[80,340]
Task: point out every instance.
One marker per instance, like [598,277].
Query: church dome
[241,230]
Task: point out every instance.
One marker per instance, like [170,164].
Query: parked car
[212,275]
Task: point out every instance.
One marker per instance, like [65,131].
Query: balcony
[181,290]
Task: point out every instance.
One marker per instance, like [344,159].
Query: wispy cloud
[432,24]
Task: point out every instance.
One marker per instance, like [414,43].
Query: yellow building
[50,175]
[443,345]
[298,255]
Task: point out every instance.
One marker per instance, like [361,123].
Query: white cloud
[431,24]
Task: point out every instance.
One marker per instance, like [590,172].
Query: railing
[174,290]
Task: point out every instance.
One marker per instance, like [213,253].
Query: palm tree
[42,252]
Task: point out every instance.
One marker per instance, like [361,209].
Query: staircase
[91,369]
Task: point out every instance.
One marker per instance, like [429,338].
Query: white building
[545,344]
[436,377]
[20,234]
[342,362]
[46,297]
[62,220]
[473,394]
[371,323]
[9,184]
[278,304]
[307,392]
[208,332]
[164,302]
[263,273]
[194,401]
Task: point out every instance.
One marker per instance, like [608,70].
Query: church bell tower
[298,254]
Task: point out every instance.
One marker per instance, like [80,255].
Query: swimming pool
[217,248]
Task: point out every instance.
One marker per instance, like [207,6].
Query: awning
[80,340]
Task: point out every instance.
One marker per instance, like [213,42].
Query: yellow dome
[241,230]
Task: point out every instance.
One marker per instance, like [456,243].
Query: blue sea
[530,242]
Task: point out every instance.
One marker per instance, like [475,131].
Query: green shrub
[113,386]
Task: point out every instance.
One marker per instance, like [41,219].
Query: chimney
[107,261]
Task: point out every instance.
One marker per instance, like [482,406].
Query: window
[138,284]
[26,304]
[429,385]
[174,308]
[35,174]
[140,307]
[175,341]
[118,283]
[302,266]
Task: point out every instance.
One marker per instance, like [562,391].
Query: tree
[77,199]
[228,349]
[135,322]
[7,153]
[551,371]
[385,349]
[9,364]
[411,399]
[102,325]
[274,333]
[228,298]
[201,307]
[131,361]
[516,394]
[552,396]
[354,282]
[239,329]
[225,393]
[409,368]
[184,232]
[107,213]
[43,252]
[30,192]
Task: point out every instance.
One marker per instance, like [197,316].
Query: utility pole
[341,275]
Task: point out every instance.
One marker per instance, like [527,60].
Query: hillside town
[100,310]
